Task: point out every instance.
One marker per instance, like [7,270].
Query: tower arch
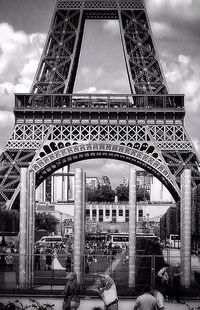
[44,164]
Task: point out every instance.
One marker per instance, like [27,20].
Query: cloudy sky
[176,27]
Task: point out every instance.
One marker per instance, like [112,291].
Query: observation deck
[148,108]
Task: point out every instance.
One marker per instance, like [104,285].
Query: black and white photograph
[99,154]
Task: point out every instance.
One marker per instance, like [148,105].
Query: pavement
[89,303]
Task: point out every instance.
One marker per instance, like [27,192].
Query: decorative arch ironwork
[55,155]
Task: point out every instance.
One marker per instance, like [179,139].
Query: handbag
[109,296]
[75,301]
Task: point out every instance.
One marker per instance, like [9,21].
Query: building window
[94,214]
[114,213]
[140,213]
[121,213]
[107,212]
[87,212]
[127,216]
[100,215]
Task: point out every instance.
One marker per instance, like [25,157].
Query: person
[108,292]
[71,299]
[159,298]
[68,261]
[177,282]
[37,259]
[48,259]
[164,279]
[146,301]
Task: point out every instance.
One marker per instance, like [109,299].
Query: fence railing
[50,270]
[94,101]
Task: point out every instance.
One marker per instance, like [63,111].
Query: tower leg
[186,227]
[83,229]
[23,229]
[132,227]
[31,226]
[78,222]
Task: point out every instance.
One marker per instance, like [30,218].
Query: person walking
[164,279]
[108,292]
[72,289]
[146,301]
[159,298]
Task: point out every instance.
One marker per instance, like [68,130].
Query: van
[50,240]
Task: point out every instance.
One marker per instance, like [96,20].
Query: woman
[71,299]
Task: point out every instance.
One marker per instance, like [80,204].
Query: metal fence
[50,273]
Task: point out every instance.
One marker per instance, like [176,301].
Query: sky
[176,27]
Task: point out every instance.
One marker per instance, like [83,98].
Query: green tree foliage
[100,194]
[46,221]
[9,220]
[122,193]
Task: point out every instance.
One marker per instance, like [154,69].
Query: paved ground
[89,304]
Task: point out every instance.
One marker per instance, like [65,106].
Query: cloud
[115,169]
[6,124]
[19,57]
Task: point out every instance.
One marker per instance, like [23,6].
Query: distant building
[92,182]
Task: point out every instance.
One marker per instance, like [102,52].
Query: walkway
[89,304]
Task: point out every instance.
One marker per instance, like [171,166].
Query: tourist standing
[177,282]
[48,259]
[72,289]
[164,279]
[108,292]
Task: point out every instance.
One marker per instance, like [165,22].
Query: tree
[100,194]
[46,221]
[142,194]
[122,193]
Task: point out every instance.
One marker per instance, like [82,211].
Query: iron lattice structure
[54,127]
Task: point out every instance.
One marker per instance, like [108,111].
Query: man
[177,282]
[159,298]
[108,292]
[146,301]
[164,279]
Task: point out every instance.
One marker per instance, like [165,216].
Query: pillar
[30,227]
[23,229]
[132,227]
[83,227]
[186,227]
[78,219]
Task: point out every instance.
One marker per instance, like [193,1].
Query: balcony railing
[93,102]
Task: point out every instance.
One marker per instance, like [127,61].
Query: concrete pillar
[78,219]
[52,189]
[83,227]
[132,227]
[186,227]
[30,227]
[23,229]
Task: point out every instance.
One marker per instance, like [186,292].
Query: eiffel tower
[54,127]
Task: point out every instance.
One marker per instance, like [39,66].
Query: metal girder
[144,128]
[59,61]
